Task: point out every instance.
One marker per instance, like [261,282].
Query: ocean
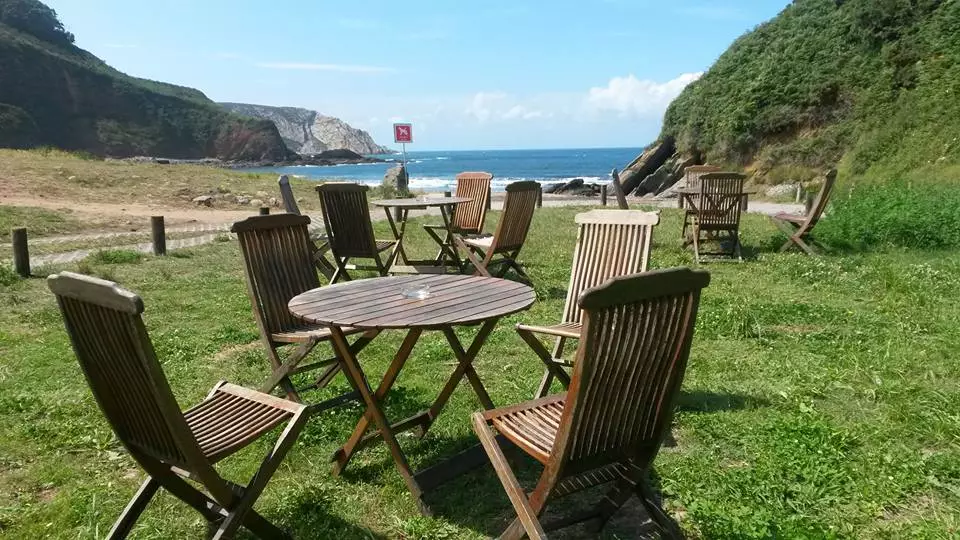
[435,171]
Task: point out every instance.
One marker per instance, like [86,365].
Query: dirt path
[212,220]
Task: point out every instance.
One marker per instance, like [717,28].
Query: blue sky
[469,75]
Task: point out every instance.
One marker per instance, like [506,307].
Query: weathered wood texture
[608,427]
[507,241]
[798,228]
[115,353]
[610,243]
[346,217]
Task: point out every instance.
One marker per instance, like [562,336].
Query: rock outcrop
[308,132]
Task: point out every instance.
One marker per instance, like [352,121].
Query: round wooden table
[403,207]
[378,304]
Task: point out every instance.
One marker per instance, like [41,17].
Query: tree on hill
[36,19]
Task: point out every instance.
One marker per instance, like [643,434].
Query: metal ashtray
[416,292]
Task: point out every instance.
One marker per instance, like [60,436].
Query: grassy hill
[874,84]
[54,93]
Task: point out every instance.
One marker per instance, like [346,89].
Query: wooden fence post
[21,254]
[489,198]
[603,195]
[446,193]
[540,197]
[264,210]
[159,235]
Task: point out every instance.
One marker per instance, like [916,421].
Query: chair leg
[551,368]
[737,248]
[241,507]
[527,518]
[809,249]
[136,506]
[665,522]
[696,243]
[281,371]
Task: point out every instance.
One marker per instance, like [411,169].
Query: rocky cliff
[56,94]
[309,132]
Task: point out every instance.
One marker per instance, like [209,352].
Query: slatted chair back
[286,193]
[820,202]
[469,217]
[121,368]
[721,197]
[633,352]
[278,259]
[692,174]
[346,216]
[518,208]
[610,243]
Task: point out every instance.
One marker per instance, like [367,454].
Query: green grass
[821,401]
[38,221]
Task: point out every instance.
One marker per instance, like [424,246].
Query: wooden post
[21,255]
[540,197]
[446,194]
[264,210]
[603,195]
[618,190]
[159,235]
[397,214]
[489,198]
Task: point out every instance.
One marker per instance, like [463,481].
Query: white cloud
[630,96]
[484,105]
[521,112]
[343,68]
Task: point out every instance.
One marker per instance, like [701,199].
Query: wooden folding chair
[279,264]
[608,427]
[321,242]
[610,243]
[718,211]
[798,228]
[121,368]
[346,216]
[511,233]
[467,218]
[691,179]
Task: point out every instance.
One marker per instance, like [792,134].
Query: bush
[895,214]
[116,256]
[36,19]
[7,275]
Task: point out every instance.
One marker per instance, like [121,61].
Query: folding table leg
[447,247]
[343,454]
[465,367]
[353,370]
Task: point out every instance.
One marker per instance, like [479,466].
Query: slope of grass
[821,401]
[866,80]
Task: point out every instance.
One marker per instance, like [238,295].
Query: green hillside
[872,83]
[54,93]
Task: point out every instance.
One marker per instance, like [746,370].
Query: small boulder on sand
[203,200]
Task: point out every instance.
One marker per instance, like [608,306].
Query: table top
[421,202]
[695,190]
[378,302]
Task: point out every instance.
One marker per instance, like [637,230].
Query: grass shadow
[308,515]
[699,401]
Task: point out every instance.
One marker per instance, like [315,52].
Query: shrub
[36,19]
[894,214]
[7,275]
[117,256]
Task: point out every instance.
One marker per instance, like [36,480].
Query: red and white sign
[403,133]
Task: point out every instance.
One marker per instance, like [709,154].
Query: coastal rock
[782,190]
[576,183]
[262,195]
[646,164]
[274,202]
[256,203]
[242,200]
[309,132]
[397,177]
[203,200]
[552,188]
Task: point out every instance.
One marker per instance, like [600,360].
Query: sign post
[403,134]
